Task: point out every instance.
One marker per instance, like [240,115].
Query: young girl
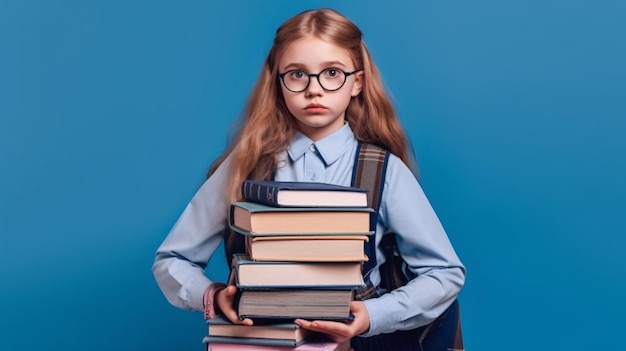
[318,95]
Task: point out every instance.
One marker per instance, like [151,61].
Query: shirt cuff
[210,309]
[383,313]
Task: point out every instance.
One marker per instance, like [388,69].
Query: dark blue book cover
[302,194]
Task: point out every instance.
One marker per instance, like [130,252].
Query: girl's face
[318,112]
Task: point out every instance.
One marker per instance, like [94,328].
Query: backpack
[444,333]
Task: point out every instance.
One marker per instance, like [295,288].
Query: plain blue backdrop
[112,111]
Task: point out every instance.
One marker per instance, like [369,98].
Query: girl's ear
[357,87]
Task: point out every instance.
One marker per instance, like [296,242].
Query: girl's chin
[316,131]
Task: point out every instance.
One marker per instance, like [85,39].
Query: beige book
[309,248]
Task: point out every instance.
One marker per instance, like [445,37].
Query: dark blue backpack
[444,333]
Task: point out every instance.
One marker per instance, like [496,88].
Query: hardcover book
[311,304]
[318,345]
[250,218]
[275,274]
[307,248]
[220,329]
[252,341]
[303,194]
[251,274]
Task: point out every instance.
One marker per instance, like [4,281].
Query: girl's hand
[339,331]
[225,300]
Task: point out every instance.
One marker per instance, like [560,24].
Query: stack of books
[304,252]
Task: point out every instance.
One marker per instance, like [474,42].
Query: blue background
[112,111]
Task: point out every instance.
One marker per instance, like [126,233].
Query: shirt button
[312,147]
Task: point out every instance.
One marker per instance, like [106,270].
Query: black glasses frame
[317,76]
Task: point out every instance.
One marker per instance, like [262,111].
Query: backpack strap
[370,168]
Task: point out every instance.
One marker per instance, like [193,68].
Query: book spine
[260,193]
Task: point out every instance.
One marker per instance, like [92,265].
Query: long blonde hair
[267,127]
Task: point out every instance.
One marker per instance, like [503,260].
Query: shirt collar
[329,148]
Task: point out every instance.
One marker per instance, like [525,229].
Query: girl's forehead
[314,53]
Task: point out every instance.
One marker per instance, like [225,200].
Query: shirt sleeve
[427,251]
[183,256]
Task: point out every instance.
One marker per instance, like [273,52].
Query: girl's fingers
[232,315]
[231,291]
[335,330]
[227,298]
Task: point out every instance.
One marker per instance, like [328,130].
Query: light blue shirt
[181,259]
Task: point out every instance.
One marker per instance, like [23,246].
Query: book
[302,194]
[318,304]
[317,345]
[250,218]
[251,274]
[287,333]
[307,248]
[253,341]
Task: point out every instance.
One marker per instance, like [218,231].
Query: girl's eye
[297,74]
[332,73]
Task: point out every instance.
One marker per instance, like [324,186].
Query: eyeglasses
[330,79]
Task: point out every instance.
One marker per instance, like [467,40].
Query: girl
[318,95]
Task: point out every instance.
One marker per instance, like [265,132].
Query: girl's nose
[314,87]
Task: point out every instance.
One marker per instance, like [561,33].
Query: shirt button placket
[314,167]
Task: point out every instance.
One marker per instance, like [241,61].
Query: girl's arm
[424,246]
[182,257]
